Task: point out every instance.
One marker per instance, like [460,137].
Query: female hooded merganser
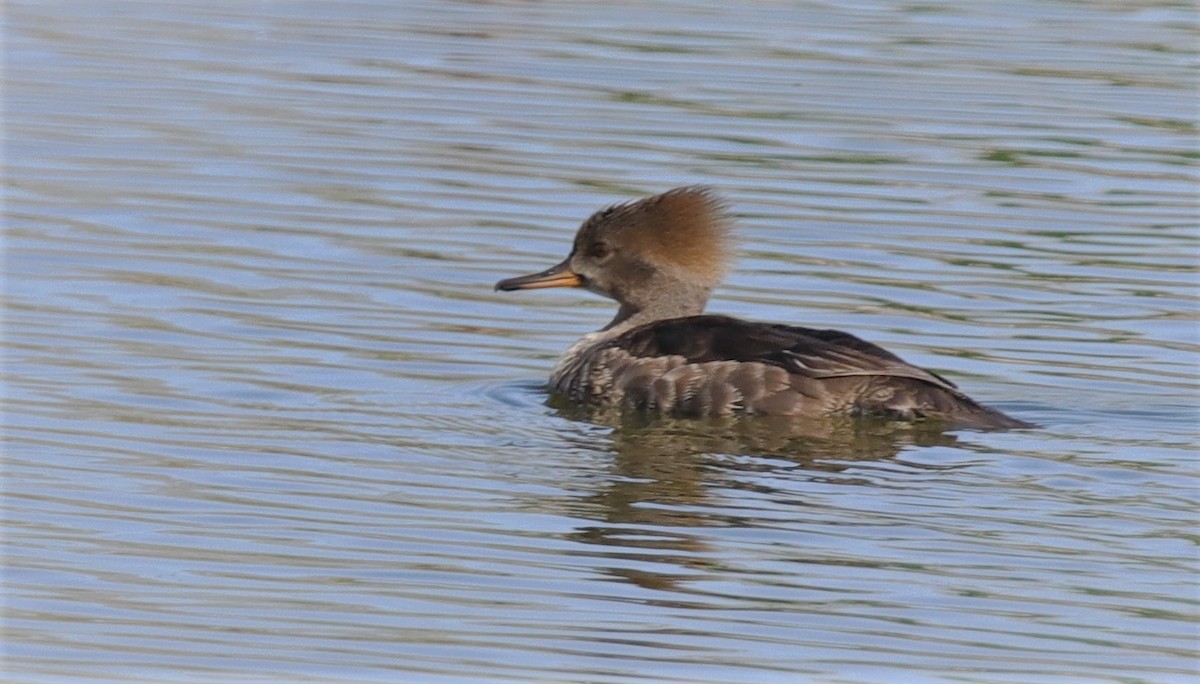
[660,258]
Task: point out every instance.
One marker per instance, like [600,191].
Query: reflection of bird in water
[665,470]
[808,443]
[660,258]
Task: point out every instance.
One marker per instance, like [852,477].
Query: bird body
[660,258]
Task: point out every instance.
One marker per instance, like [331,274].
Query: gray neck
[682,300]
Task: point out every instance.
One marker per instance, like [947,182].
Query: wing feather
[828,371]
[809,352]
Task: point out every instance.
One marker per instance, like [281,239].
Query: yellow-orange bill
[557,276]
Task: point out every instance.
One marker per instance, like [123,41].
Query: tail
[971,415]
[914,399]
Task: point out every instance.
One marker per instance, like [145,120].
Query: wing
[811,353]
[713,364]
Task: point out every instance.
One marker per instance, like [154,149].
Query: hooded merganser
[660,258]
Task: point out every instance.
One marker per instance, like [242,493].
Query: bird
[659,258]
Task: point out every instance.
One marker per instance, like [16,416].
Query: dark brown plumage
[660,258]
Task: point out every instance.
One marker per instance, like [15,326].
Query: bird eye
[599,251]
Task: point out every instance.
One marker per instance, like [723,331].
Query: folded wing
[716,364]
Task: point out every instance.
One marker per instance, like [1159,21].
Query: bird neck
[681,299]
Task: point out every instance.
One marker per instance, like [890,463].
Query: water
[267,420]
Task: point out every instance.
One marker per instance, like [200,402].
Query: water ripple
[267,419]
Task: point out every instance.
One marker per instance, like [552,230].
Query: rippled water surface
[267,420]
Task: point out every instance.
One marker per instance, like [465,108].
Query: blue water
[266,419]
